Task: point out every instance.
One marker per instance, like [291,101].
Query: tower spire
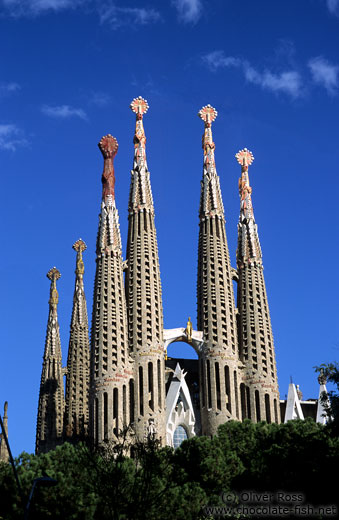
[250,247]
[4,455]
[51,397]
[77,380]
[211,200]
[110,365]
[140,191]
[216,307]
[260,388]
[143,291]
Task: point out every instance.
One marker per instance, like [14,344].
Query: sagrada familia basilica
[123,378]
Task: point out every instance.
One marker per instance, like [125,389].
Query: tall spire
[211,200]
[4,455]
[143,291]
[77,380]
[250,246]
[216,307]
[255,331]
[51,397]
[140,191]
[110,365]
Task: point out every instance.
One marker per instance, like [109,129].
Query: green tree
[330,372]
[296,456]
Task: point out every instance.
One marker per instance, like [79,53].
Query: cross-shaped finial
[79,246]
[108,146]
[208,114]
[139,106]
[244,157]
[53,274]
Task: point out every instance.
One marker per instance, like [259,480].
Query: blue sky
[68,72]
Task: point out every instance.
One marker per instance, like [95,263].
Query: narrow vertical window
[159,383]
[228,389]
[124,411]
[243,401]
[105,417]
[257,406]
[150,386]
[267,408]
[96,421]
[275,411]
[248,402]
[236,394]
[202,382]
[115,412]
[141,392]
[217,385]
[131,401]
[209,392]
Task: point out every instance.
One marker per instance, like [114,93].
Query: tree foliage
[330,372]
[149,482]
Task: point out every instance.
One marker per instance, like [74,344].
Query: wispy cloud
[8,88]
[19,8]
[217,59]
[11,137]
[63,112]
[333,6]
[189,11]
[288,82]
[325,74]
[99,99]
[108,10]
[132,16]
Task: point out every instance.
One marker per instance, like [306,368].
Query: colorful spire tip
[244,157]
[139,106]
[108,146]
[208,114]
[53,274]
[79,246]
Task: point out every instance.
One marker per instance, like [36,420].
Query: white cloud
[325,74]
[131,16]
[8,88]
[189,11]
[63,112]
[217,59]
[11,137]
[99,99]
[288,82]
[333,6]
[35,7]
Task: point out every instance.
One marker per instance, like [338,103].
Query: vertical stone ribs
[4,455]
[51,396]
[143,290]
[77,380]
[109,352]
[255,331]
[216,307]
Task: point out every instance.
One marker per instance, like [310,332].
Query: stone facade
[77,378]
[131,384]
[51,407]
[4,455]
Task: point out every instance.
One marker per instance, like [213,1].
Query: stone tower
[259,390]
[77,378]
[123,382]
[143,293]
[111,371]
[4,455]
[51,406]
[219,371]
